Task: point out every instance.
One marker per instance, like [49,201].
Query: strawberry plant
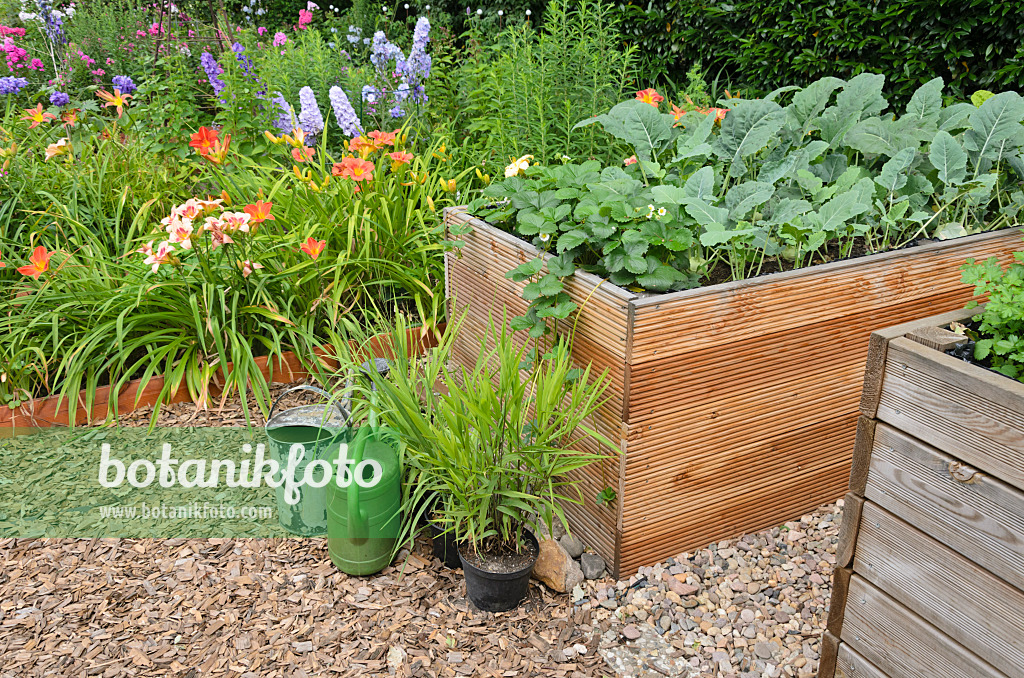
[1000,343]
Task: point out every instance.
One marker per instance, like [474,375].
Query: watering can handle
[357,524]
[307,387]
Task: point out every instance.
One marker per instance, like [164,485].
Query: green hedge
[971,44]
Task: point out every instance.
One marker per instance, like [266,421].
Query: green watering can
[319,429]
[364,510]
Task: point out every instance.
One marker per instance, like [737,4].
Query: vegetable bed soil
[735,405]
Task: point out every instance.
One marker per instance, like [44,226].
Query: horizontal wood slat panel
[759,510]
[982,519]
[971,413]
[984,613]
[849,664]
[733,312]
[900,643]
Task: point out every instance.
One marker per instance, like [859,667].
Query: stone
[609,604]
[555,568]
[577,593]
[573,546]
[763,650]
[592,565]
[630,632]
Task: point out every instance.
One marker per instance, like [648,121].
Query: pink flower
[155,29]
[248,267]
[98,72]
[140,34]
[280,39]
[162,255]
[261,30]
[305,18]
[36,65]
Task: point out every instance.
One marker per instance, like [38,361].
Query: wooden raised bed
[930,564]
[735,405]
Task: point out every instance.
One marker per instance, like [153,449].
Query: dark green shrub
[971,44]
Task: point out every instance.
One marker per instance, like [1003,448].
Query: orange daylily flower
[362,146]
[3,265]
[259,212]
[649,96]
[313,247]
[631,160]
[399,158]
[202,141]
[303,154]
[218,152]
[59,148]
[40,263]
[381,139]
[70,117]
[354,168]
[115,100]
[677,112]
[37,116]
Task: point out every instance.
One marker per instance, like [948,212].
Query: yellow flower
[448,185]
[59,148]
[298,172]
[518,166]
[440,153]
[485,178]
[430,203]
[272,138]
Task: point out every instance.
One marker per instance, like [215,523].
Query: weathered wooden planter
[930,564]
[736,404]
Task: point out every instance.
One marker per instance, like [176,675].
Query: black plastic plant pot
[498,591]
[445,548]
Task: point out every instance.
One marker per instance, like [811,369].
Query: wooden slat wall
[974,415]
[981,611]
[476,282]
[936,527]
[901,643]
[718,372]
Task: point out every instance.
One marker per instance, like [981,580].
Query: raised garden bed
[735,404]
[931,550]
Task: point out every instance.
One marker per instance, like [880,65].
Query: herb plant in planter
[714,274]
[499,440]
[999,340]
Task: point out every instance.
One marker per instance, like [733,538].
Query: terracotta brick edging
[285,368]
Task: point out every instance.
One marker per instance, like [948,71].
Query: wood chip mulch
[264,608]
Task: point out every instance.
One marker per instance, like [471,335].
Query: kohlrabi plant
[763,186]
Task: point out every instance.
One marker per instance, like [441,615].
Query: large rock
[573,546]
[592,565]
[556,568]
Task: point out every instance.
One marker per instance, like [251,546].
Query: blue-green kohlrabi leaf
[879,136]
[947,157]
[742,198]
[700,184]
[893,176]
[747,129]
[692,142]
[844,207]
[809,102]
[925,107]
[638,124]
[994,122]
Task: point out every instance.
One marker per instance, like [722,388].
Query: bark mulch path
[264,608]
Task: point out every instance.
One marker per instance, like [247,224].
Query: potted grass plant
[500,441]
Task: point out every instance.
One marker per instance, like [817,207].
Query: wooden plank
[971,413]
[900,643]
[849,664]
[862,455]
[961,599]
[878,346]
[937,338]
[837,603]
[829,652]
[978,516]
[847,544]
